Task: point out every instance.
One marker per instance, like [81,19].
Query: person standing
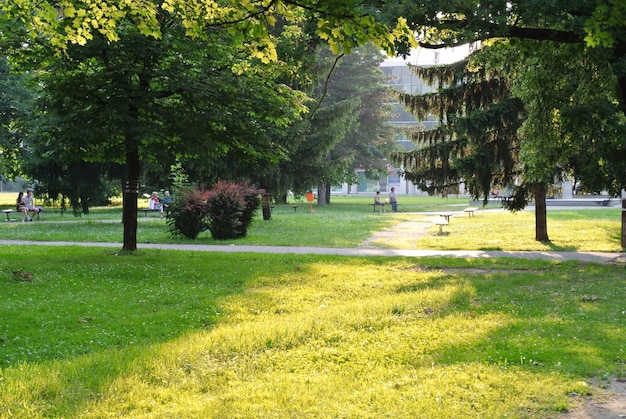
[393,200]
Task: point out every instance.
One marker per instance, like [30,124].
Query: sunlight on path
[406,233]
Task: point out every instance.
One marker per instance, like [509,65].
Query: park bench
[8,212]
[147,210]
[470,211]
[441,222]
[381,207]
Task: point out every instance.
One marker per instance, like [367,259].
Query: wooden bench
[446,215]
[147,210]
[441,222]
[8,212]
[470,211]
[381,207]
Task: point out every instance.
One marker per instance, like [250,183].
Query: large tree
[71,25]
[346,126]
[476,142]
[146,99]
[574,127]
[368,142]
[598,25]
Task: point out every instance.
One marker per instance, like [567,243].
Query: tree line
[159,80]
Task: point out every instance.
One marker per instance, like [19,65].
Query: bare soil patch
[609,404]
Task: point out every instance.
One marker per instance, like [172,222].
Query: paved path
[599,257]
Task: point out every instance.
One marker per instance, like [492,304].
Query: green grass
[97,334]
[569,230]
[163,334]
[349,221]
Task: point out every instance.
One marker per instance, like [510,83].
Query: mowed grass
[164,334]
[349,221]
[190,334]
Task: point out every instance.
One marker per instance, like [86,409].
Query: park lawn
[346,225]
[347,222]
[588,230]
[162,334]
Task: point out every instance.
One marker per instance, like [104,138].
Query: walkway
[598,257]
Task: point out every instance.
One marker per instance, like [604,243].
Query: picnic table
[470,211]
[441,222]
[446,215]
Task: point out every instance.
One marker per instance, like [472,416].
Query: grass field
[90,333]
[349,221]
[165,334]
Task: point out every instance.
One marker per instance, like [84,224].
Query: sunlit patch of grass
[309,336]
[584,230]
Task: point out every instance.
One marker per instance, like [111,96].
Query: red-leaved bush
[227,210]
[188,215]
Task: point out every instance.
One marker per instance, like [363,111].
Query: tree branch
[499,31]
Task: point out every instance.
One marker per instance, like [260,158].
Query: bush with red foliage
[188,215]
[231,208]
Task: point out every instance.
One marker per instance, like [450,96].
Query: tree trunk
[131,193]
[619,52]
[328,188]
[624,223]
[280,199]
[321,194]
[541,221]
[84,204]
[266,206]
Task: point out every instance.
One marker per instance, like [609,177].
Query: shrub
[188,215]
[232,207]
[225,206]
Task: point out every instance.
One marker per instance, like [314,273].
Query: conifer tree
[476,141]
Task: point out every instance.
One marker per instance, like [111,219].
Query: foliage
[226,210]
[188,215]
[231,208]
[574,126]
[15,106]
[155,99]
[347,127]
[342,24]
[252,199]
[476,141]
[81,184]
[172,334]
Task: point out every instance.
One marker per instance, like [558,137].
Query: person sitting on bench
[29,199]
[377,203]
[167,200]
[21,207]
[154,203]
